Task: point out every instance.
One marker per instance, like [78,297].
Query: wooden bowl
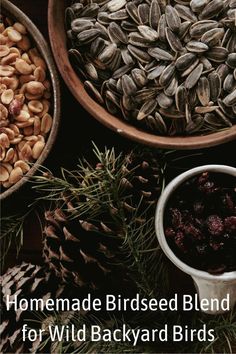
[13,12]
[56,10]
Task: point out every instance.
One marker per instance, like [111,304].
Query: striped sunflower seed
[184,61]
[197,47]
[212,9]
[148,33]
[194,76]
[217,54]
[172,18]
[215,85]
[154,14]
[147,108]
[160,54]
[173,40]
[181,98]
[213,36]
[167,74]
[203,91]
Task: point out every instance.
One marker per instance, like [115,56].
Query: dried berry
[179,241]
[192,231]
[215,225]
[230,224]
[169,232]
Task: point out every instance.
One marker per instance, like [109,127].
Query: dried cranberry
[228,202]
[215,225]
[176,217]
[216,246]
[179,241]
[192,231]
[169,232]
[203,178]
[230,223]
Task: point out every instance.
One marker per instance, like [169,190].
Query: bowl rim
[159,218]
[58,39]
[40,43]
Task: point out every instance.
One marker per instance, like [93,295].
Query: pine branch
[225,332]
[12,232]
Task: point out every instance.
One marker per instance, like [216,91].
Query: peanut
[4,140]
[23,67]
[11,82]
[37,125]
[46,123]
[3,112]
[4,175]
[19,27]
[23,165]
[37,149]
[14,35]
[35,88]
[4,50]
[9,155]
[35,106]
[7,96]
[6,70]
[15,175]
[39,74]
[9,59]
[7,166]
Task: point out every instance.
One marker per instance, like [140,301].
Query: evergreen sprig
[97,191]
[12,232]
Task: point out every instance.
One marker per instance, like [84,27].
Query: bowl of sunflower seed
[161,73]
[29,99]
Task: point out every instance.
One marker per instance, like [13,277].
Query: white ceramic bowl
[208,286]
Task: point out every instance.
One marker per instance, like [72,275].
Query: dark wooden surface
[77,131]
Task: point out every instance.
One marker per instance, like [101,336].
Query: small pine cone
[80,252]
[24,281]
[141,182]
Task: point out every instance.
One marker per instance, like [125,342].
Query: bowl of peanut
[29,99]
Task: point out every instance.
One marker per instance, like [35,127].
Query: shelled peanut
[25,93]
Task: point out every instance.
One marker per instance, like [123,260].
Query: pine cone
[85,252]
[26,281]
[143,178]
[80,252]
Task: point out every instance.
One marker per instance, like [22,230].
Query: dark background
[77,131]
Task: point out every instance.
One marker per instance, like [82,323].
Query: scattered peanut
[25,91]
